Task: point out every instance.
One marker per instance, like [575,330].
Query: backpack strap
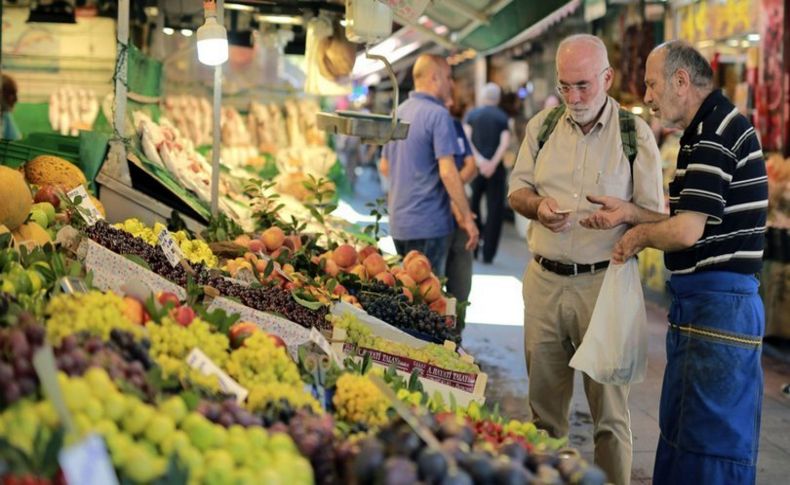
[549,123]
[628,135]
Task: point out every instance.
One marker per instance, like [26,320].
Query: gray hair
[586,39]
[682,55]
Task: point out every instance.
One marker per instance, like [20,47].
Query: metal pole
[117,155]
[215,146]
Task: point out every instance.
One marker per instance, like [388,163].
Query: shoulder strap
[628,135]
[549,123]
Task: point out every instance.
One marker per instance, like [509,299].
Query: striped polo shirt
[721,173]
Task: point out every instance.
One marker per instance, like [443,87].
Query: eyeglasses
[582,88]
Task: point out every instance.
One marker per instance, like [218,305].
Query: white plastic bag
[614,348]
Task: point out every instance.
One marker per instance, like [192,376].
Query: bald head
[432,75]
[583,50]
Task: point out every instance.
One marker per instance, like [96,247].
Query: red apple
[183,315]
[166,297]
[47,193]
[278,342]
[239,332]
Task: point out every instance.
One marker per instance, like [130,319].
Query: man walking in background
[487,128]
[423,176]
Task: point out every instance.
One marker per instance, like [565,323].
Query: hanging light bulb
[212,38]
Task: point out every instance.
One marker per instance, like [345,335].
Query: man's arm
[614,212]
[542,209]
[469,170]
[672,234]
[384,167]
[455,189]
[479,159]
[487,169]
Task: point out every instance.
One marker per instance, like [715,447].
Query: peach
[340,290]
[345,256]
[360,271]
[256,246]
[409,294]
[134,310]
[406,280]
[411,254]
[260,265]
[293,242]
[273,238]
[419,268]
[367,251]
[375,264]
[288,268]
[431,289]
[439,306]
[243,240]
[386,278]
[331,268]
[396,270]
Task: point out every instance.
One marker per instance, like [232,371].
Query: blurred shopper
[713,241]
[489,130]
[460,261]
[9,98]
[422,172]
[587,146]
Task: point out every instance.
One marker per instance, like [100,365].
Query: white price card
[88,463]
[87,210]
[203,364]
[47,371]
[318,338]
[170,248]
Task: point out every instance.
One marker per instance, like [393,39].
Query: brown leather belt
[572,269]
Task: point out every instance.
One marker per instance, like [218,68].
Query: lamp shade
[212,43]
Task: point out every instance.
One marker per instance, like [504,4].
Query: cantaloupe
[31,235]
[15,198]
[99,205]
[50,170]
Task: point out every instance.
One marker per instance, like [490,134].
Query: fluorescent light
[637,110]
[151,11]
[168,31]
[753,37]
[212,43]
[239,7]
[704,44]
[280,19]
[186,32]
[733,42]
[745,43]
[343,22]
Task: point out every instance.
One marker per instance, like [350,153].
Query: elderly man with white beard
[587,146]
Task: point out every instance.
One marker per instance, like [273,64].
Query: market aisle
[494,336]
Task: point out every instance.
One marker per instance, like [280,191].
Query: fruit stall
[279,355]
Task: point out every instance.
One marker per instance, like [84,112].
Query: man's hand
[487,169]
[548,216]
[612,213]
[470,228]
[630,244]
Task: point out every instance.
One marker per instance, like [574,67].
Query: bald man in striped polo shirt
[713,383]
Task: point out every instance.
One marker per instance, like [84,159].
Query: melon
[16,200]
[51,170]
[31,235]
[99,205]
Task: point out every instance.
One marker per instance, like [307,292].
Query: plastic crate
[55,142]
[14,154]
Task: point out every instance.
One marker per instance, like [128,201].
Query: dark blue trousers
[713,383]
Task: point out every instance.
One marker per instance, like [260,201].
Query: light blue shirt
[10,130]
[419,206]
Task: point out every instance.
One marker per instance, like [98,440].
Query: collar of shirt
[710,103]
[425,96]
[600,123]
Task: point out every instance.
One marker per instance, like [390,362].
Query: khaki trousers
[557,311]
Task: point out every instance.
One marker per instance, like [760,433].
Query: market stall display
[72,109]
[776,271]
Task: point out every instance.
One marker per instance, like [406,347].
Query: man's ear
[681,79]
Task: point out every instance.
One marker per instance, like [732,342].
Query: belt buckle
[575,269]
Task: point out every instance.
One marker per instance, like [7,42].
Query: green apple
[39,217]
[48,209]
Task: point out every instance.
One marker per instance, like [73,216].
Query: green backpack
[627,132]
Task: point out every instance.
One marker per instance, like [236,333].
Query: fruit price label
[203,364]
[87,210]
[87,463]
[170,248]
[318,338]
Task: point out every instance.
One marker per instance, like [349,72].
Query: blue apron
[713,383]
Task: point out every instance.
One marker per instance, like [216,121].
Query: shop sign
[594,9]
[715,20]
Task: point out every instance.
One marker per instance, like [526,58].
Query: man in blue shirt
[424,180]
[7,102]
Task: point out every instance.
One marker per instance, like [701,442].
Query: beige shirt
[572,165]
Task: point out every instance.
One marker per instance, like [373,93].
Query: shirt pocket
[614,185]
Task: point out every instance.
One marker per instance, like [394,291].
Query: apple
[134,310]
[183,315]
[47,193]
[239,332]
[39,217]
[166,297]
[278,342]
[48,209]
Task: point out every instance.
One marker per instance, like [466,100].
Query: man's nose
[573,96]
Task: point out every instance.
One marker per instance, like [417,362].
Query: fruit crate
[465,387]
[14,154]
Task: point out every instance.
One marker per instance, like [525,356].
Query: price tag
[318,338]
[44,364]
[170,248]
[203,364]
[72,284]
[87,210]
[88,463]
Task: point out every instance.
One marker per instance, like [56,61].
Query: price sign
[170,248]
[88,463]
[87,210]
[318,338]
[203,364]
